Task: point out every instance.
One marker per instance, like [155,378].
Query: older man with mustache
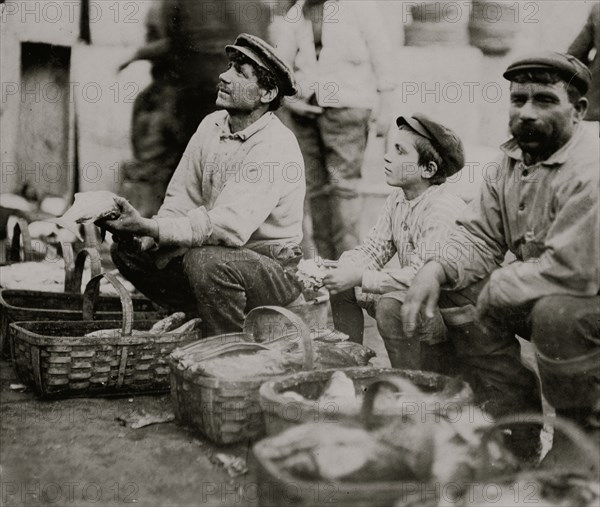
[542,205]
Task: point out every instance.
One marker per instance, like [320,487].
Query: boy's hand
[343,277]
[424,290]
[130,221]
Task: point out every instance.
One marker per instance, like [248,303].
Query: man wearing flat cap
[225,239]
[542,205]
[414,224]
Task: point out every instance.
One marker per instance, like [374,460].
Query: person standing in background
[585,48]
[342,59]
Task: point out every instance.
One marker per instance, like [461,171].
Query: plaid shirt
[416,230]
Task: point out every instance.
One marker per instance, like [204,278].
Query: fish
[89,207]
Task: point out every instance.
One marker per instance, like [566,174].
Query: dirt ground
[76,452]
[80,452]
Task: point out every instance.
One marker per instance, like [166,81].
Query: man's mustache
[526,132]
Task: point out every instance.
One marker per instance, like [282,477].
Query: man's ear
[429,171]
[269,95]
[580,108]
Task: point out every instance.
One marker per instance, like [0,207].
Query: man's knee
[389,322]
[562,326]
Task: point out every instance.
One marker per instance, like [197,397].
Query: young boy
[414,223]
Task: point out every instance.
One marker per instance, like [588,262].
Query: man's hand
[130,221]
[424,290]
[343,277]
[301,108]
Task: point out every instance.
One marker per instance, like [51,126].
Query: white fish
[89,207]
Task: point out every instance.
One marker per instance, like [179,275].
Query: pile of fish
[311,274]
[177,323]
[89,207]
[284,355]
[423,445]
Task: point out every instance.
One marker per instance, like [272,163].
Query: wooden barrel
[437,23]
[435,34]
[493,26]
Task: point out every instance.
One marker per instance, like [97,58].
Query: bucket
[313,309]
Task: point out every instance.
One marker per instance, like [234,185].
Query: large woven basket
[56,359]
[227,411]
[281,412]
[523,487]
[28,305]
[277,486]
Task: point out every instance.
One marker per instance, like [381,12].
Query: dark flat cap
[265,56]
[445,141]
[567,66]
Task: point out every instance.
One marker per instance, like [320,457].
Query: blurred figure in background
[342,59]
[184,43]
[585,48]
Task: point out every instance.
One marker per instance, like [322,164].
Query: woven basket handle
[90,296]
[21,230]
[252,323]
[589,450]
[74,270]
[402,385]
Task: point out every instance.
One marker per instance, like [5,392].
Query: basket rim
[66,295]
[19,331]
[271,391]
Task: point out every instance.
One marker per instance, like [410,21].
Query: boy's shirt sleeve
[430,241]
[378,248]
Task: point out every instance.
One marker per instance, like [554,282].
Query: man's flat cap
[445,141]
[265,56]
[567,66]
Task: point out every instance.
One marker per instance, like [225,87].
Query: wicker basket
[56,359]
[229,411]
[277,486]
[25,305]
[520,488]
[281,412]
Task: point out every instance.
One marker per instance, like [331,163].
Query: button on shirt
[235,189]
[545,214]
[416,230]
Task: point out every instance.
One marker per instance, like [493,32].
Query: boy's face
[401,165]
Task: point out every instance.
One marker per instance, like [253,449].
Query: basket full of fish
[61,358]
[368,459]
[335,395]
[215,382]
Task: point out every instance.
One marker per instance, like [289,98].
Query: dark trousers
[333,146]
[219,284]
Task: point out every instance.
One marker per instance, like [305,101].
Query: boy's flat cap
[445,141]
[567,66]
[265,56]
